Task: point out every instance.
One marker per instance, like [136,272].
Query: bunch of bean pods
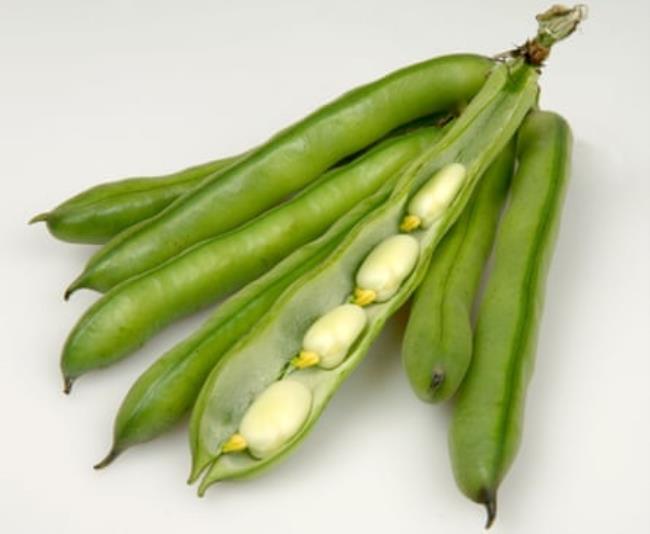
[402,187]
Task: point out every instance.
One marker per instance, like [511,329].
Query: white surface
[98,90]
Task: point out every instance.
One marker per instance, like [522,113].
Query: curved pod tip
[41,217]
[195,473]
[197,469]
[68,381]
[490,503]
[108,459]
[73,287]
[203,487]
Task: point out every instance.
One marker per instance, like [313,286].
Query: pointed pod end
[205,484]
[108,459]
[41,217]
[194,475]
[74,286]
[201,491]
[68,381]
[198,467]
[490,502]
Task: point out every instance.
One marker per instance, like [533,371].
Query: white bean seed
[275,417]
[437,194]
[386,267]
[332,335]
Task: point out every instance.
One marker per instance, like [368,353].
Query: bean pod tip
[490,503]
[41,217]
[108,459]
[68,382]
[76,284]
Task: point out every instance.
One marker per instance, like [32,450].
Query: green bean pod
[132,312]
[101,212]
[265,356]
[437,346]
[487,420]
[166,391]
[286,163]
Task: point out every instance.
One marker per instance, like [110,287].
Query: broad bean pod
[265,356]
[101,212]
[437,346]
[487,420]
[286,163]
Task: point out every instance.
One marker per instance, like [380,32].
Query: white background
[97,90]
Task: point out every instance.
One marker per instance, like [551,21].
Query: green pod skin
[487,420]
[286,163]
[100,213]
[128,315]
[166,391]
[261,358]
[437,346]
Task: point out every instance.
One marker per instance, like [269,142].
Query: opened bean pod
[127,316]
[287,162]
[438,340]
[233,388]
[278,413]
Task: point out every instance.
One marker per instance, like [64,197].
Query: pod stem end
[558,22]
[554,25]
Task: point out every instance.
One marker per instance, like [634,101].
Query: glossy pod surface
[487,420]
[473,141]
[166,391]
[438,340]
[287,162]
[101,212]
[131,313]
